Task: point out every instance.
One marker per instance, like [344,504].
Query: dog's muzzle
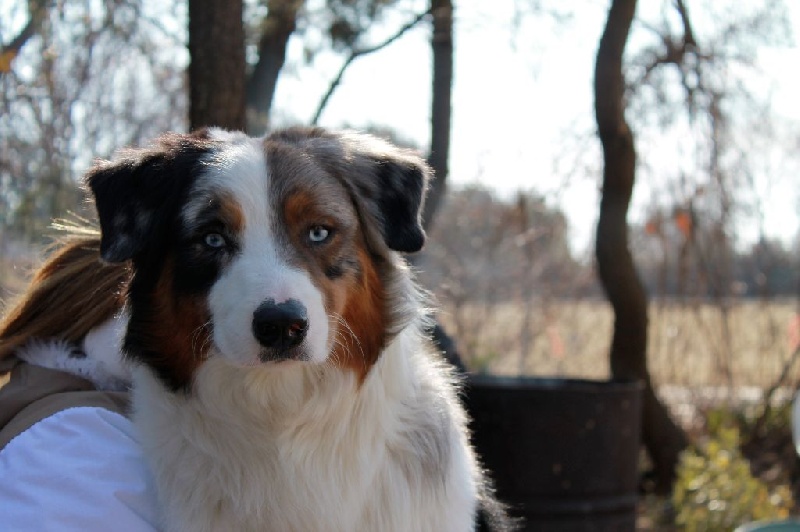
[279,327]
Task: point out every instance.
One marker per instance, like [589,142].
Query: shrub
[716,491]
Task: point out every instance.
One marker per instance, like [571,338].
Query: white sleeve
[81,469]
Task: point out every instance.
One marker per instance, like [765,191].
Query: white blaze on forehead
[237,168]
[217,133]
[259,270]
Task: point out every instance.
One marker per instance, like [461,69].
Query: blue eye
[215,240]
[318,234]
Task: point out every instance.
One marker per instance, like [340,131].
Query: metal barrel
[563,453]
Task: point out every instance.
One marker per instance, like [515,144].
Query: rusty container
[563,452]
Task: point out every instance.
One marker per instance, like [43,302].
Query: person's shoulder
[78,469]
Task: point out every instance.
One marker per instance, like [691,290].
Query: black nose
[280,325]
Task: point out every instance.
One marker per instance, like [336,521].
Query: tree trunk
[442,46]
[278,26]
[662,437]
[217,67]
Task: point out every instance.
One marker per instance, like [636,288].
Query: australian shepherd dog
[272,333]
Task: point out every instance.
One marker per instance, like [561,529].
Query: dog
[273,334]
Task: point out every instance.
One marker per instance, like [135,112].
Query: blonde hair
[71,293]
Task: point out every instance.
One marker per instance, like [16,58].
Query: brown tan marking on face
[341,267]
[302,209]
[230,213]
[361,333]
[177,330]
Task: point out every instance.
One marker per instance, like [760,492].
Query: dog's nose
[280,325]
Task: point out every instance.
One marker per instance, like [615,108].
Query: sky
[522,105]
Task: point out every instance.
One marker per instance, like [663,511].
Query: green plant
[481,363]
[716,491]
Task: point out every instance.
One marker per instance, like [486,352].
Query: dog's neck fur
[261,448]
[307,429]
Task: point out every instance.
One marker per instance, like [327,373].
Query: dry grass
[693,344]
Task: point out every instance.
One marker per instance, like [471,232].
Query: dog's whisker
[353,336]
[201,333]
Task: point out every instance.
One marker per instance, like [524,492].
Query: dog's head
[261,251]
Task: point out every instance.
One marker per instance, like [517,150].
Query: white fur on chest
[304,448]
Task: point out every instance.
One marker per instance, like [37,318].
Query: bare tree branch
[359,52]
[10,51]
[675,50]
[441,106]
[688,33]
[276,29]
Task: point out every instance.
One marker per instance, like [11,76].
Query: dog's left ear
[388,184]
[394,191]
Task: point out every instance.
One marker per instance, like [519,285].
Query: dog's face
[260,251]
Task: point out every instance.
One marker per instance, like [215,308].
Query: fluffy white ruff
[304,448]
[97,359]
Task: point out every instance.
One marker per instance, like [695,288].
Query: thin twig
[358,52]
[767,400]
[10,51]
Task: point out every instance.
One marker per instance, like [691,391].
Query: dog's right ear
[137,193]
